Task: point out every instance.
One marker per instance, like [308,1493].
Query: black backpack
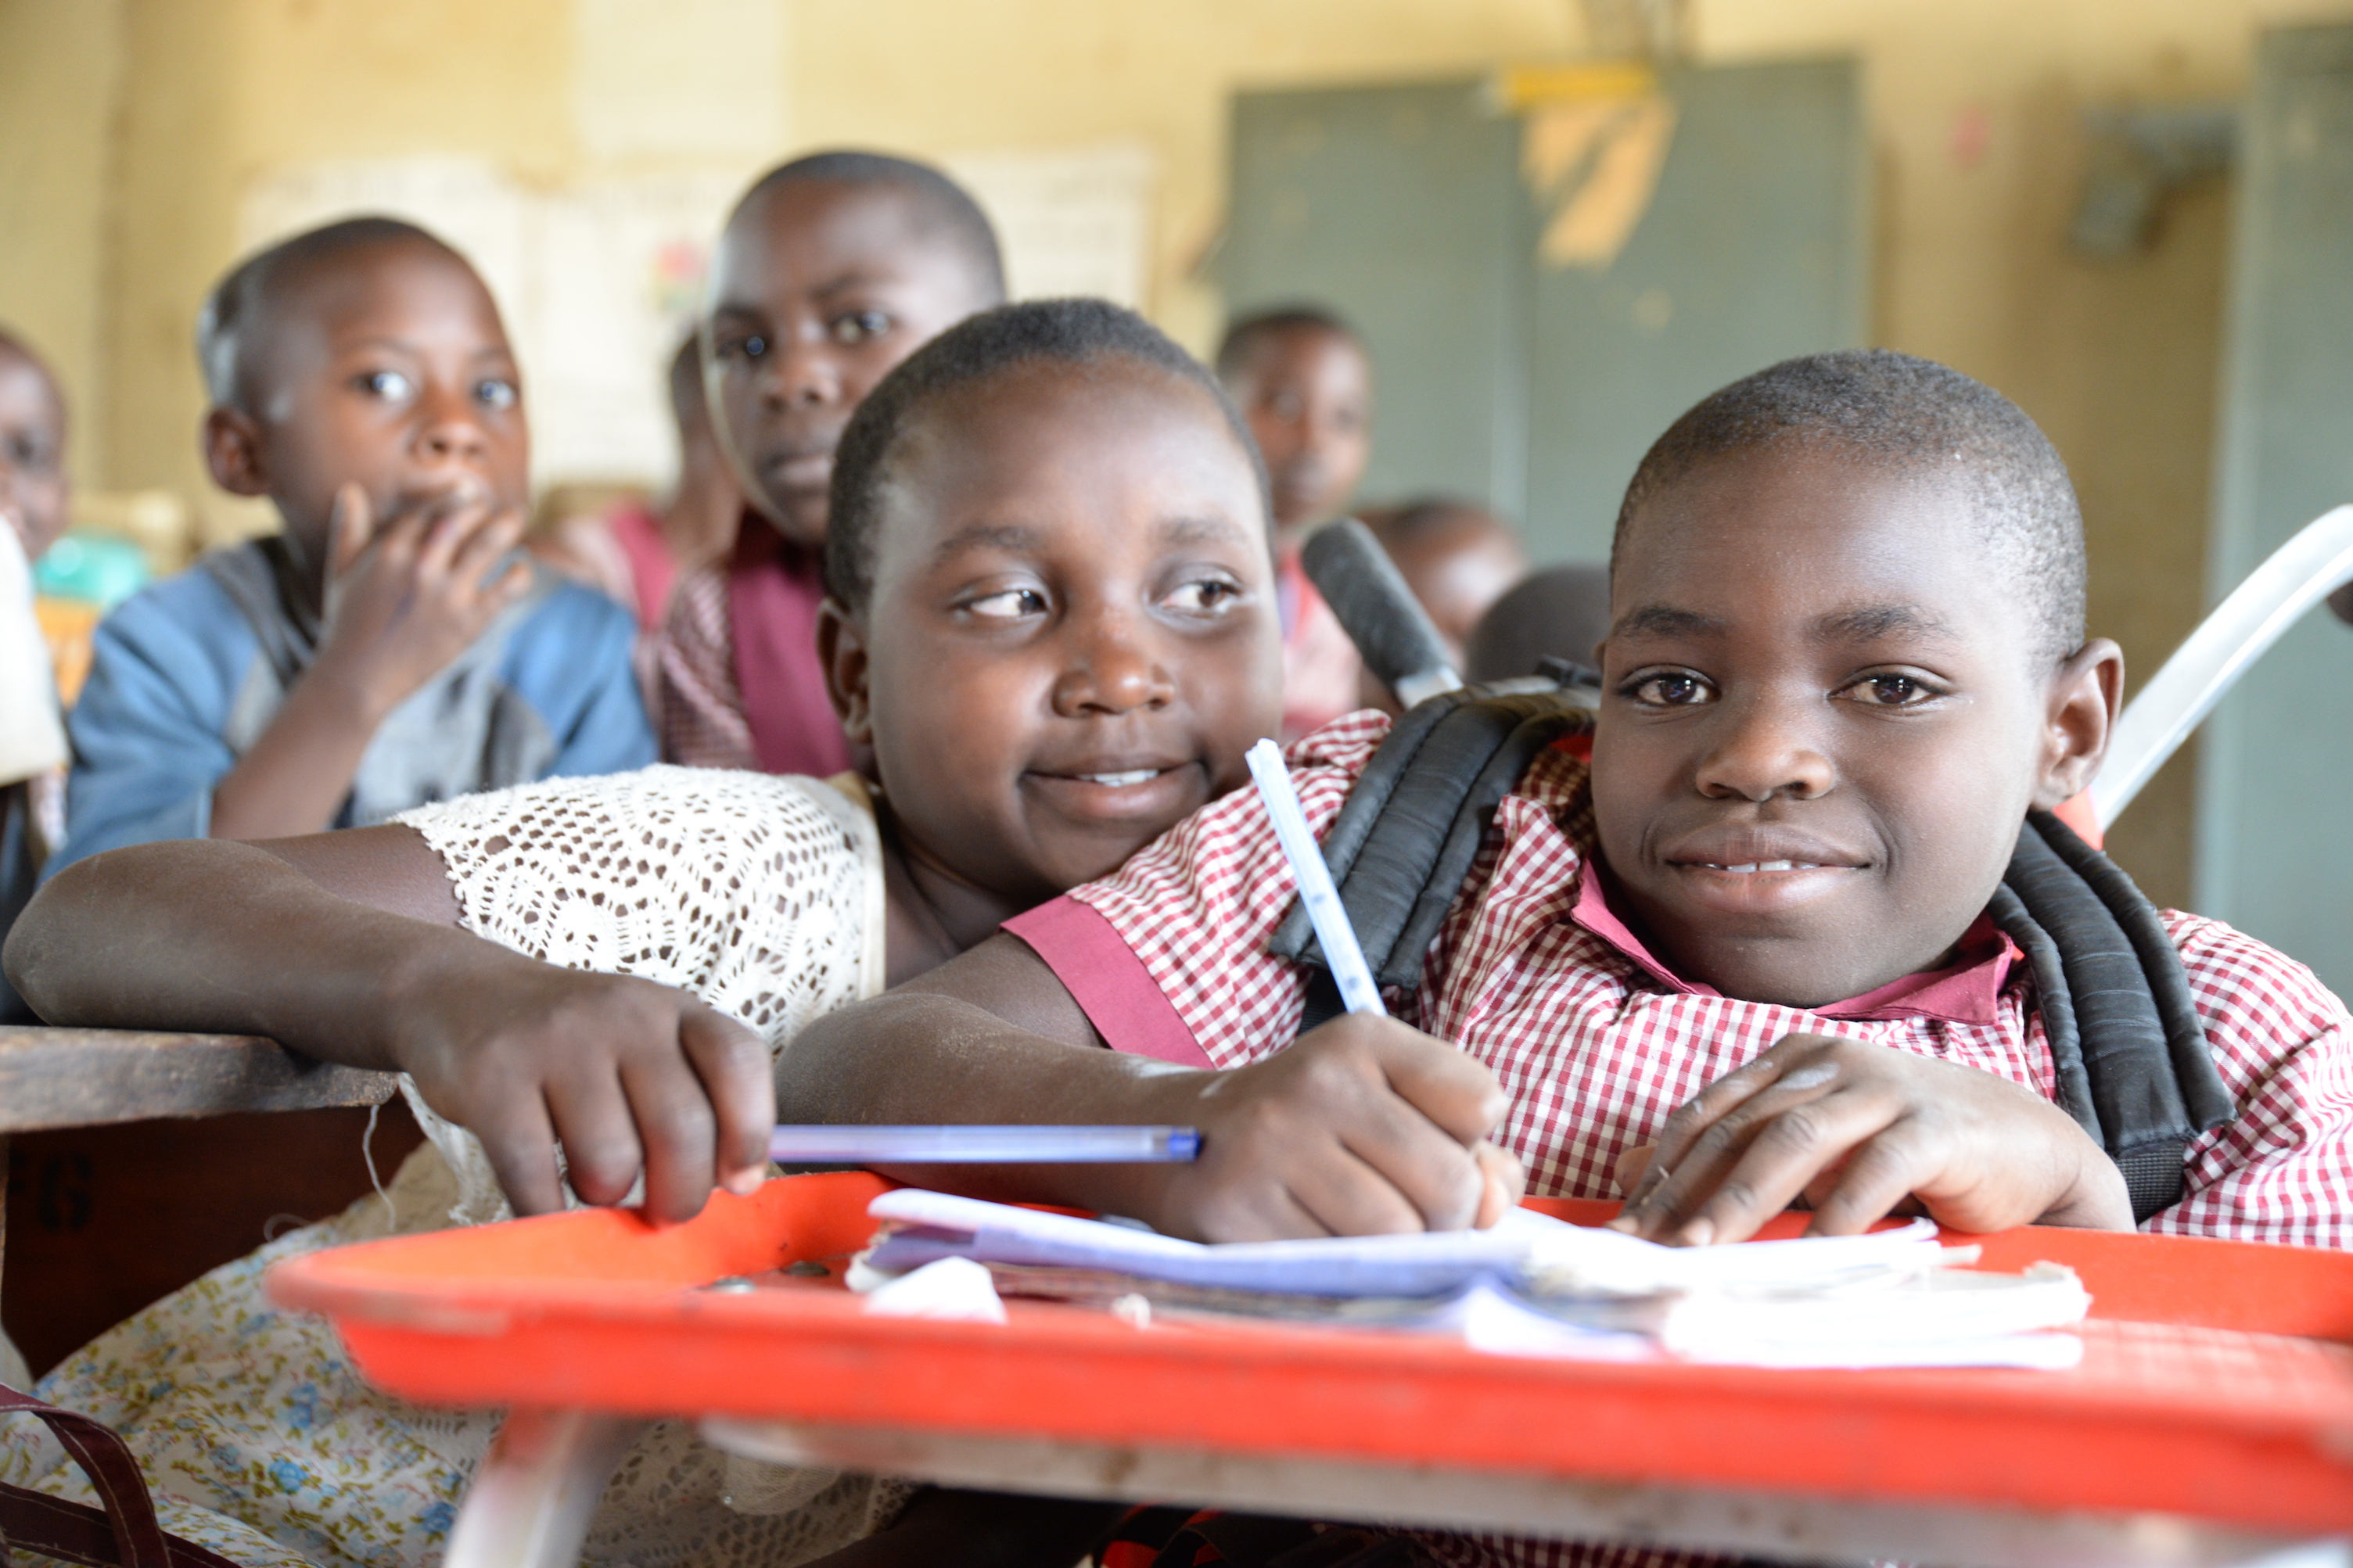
[2131,1058]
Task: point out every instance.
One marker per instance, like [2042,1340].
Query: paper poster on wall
[1071,221]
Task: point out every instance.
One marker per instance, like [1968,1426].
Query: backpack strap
[124,1534]
[2128,1048]
[1405,839]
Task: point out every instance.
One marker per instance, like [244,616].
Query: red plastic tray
[2217,1380]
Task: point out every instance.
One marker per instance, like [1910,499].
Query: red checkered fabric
[697,708]
[1595,1055]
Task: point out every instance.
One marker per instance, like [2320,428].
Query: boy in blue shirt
[391,647]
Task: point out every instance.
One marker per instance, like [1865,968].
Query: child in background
[32,736]
[1040,702]
[390,648]
[1458,559]
[1304,383]
[1561,611]
[633,553]
[833,269]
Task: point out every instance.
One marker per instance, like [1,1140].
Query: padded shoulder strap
[2128,1048]
[1405,839]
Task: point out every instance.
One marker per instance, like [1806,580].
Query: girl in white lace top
[1052,625]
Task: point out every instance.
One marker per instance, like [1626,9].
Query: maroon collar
[1967,990]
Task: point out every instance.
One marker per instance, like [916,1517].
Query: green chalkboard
[2275,850]
[1531,387]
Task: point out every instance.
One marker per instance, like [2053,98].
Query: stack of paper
[1531,1285]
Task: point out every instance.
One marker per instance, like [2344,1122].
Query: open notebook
[1533,1285]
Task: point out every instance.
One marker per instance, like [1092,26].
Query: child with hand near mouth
[833,269]
[389,648]
[1051,618]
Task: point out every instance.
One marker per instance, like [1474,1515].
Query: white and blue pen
[1325,911]
[1039,1144]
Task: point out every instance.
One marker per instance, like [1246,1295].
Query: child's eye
[28,451]
[1675,688]
[389,384]
[495,393]
[1210,596]
[748,346]
[1010,605]
[1891,691]
[858,326]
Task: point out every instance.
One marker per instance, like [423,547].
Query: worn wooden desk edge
[52,1079]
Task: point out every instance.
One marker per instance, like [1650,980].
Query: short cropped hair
[1899,414]
[938,204]
[1245,337]
[238,308]
[1076,333]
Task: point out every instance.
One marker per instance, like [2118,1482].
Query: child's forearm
[1363,1127]
[233,939]
[949,1060]
[295,778]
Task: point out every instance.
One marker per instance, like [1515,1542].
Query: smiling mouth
[1756,866]
[1123,780]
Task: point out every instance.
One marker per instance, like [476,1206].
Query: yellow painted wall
[128,129]
[59,65]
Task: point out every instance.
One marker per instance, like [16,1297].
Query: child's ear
[233,452]
[841,648]
[2085,696]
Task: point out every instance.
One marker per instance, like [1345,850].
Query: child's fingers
[350,525]
[677,1131]
[1694,1119]
[734,1068]
[1724,1194]
[1881,1174]
[1506,1184]
[592,1111]
[1633,1164]
[1455,1090]
[1344,1193]
[475,575]
[450,526]
[519,1140]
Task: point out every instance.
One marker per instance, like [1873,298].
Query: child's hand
[628,1075]
[406,598]
[1857,1130]
[1365,1127]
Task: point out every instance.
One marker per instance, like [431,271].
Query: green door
[2274,853]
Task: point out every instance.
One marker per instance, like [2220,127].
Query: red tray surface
[2217,1380]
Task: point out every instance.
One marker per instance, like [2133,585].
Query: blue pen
[981,1145]
[1325,911]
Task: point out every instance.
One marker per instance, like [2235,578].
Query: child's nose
[454,436]
[800,372]
[1762,750]
[1111,669]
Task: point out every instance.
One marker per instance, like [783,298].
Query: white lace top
[762,895]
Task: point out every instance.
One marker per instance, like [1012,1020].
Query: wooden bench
[54,1080]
